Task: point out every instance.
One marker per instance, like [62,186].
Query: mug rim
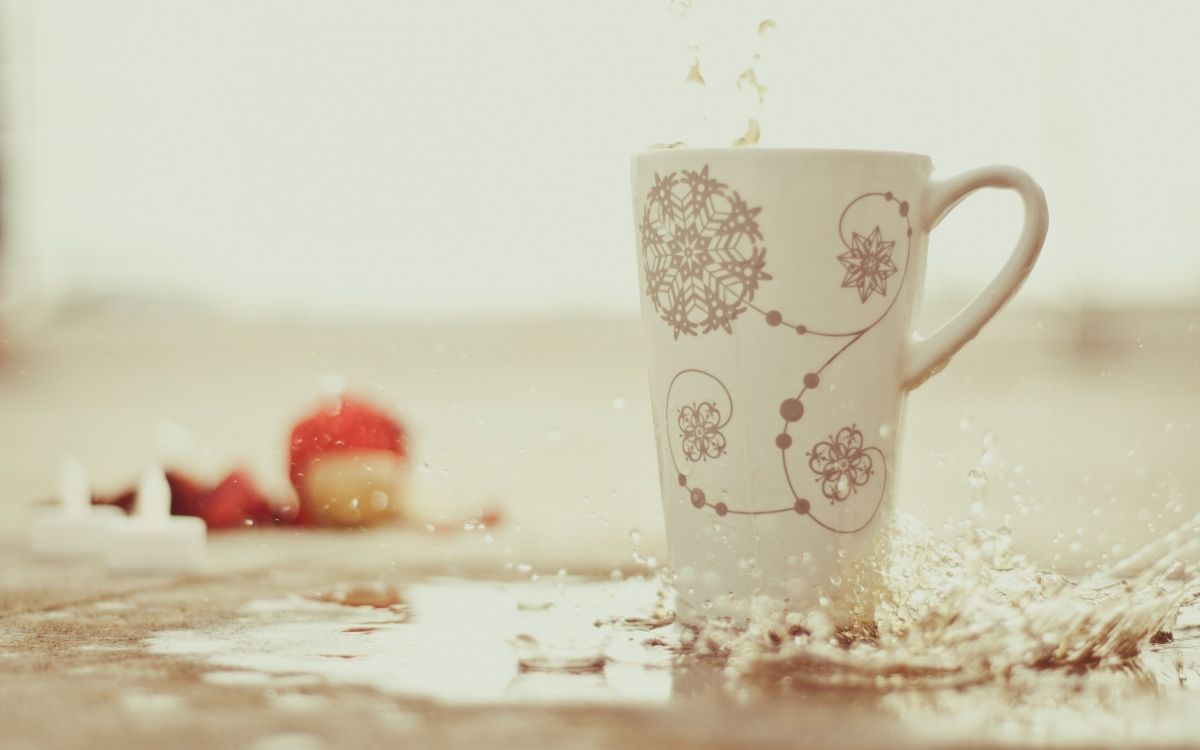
[787,150]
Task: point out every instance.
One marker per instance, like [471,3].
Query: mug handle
[928,355]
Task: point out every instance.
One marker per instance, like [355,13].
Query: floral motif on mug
[700,425]
[702,252]
[841,464]
[868,264]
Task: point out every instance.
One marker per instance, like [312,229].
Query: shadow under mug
[779,295]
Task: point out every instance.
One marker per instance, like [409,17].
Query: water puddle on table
[458,641]
[940,637]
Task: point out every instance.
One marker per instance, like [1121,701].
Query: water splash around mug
[919,612]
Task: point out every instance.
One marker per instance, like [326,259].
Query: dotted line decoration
[842,464]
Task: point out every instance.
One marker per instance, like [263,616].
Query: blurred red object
[346,428]
[234,502]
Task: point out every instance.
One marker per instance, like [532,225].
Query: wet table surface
[297,639]
[478,637]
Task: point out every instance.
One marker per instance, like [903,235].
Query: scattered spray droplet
[749,80]
[680,7]
[694,75]
[977,477]
[750,138]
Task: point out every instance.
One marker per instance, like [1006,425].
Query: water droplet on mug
[977,477]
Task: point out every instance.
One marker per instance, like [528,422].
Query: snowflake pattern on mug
[841,464]
[700,425]
[868,264]
[702,252]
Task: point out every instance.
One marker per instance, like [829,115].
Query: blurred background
[214,213]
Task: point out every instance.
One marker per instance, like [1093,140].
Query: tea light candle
[75,527]
[152,539]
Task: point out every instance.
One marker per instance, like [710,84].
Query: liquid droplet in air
[751,136]
[749,79]
[977,477]
[680,7]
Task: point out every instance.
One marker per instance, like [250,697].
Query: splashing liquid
[749,80]
[750,137]
[694,75]
[746,81]
[923,613]
[680,7]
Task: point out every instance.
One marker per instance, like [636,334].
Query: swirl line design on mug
[842,464]
[792,409]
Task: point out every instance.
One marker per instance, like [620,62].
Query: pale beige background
[1091,419]
[460,158]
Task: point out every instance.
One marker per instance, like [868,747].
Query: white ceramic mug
[779,295]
